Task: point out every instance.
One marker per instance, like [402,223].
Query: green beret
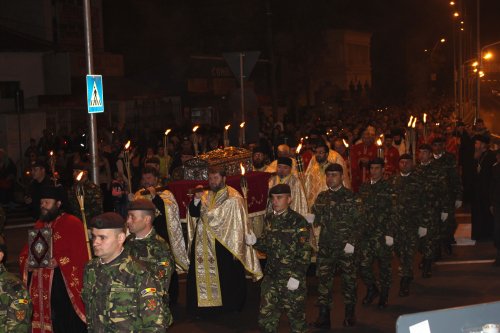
[405,157]
[109,220]
[285,161]
[377,161]
[141,204]
[334,167]
[280,189]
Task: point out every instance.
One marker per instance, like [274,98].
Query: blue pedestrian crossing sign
[95,98]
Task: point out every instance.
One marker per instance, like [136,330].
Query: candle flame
[411,120]
[425,118]
[242,169]
[242,124]
[299,147]
[379,142]
[414,122]
[168,131]
[79,176]
[345,143]
[51,153]
[127,145]
[195,128]
[227,127]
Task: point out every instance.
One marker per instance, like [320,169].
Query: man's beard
[320,161]
[217,188]
[258,165]
[397,142]
[50,215]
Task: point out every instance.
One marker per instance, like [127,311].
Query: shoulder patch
[21,301]
[148,292]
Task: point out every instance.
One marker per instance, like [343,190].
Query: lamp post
[480,59]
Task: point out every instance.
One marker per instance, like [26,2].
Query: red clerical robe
[391,159]
[70,252]
[361,173]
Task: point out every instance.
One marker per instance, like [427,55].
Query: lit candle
[126,157]
[414,138]
[408,135]
[298,159]
[425,127]
[380,149]
[165,141]
[348,158]
[195,140]
[242,134]
[226,137]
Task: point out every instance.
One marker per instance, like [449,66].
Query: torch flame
[79,176]
[242,124]
[168,131]
[51,153]
[127,145]
[195,128]
[345,143]
[411,120]
[299,147]
[425,118]
[414,122]
[227,127]
[242,169]
[379,142]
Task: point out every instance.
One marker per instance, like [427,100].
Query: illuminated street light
[452,3]
[443,40]
[481,73]
[456,14]
[475,70]
[475,64]
[488,56]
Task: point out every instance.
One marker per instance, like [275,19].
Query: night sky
[156,37]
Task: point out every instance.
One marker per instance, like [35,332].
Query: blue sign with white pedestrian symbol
[95,98]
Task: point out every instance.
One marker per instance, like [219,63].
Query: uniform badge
[151,304]
[22,301]
[148,292]
[302,240]
[20,315]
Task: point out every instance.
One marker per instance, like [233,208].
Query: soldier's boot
[371,293]
[384,297]
[349,318]
[404,286]
[427,269]
[323,320]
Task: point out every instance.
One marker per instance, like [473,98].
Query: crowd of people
[337,198]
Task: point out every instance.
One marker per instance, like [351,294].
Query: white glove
[444,216]
[349,249]
[389,241]
[250,239]
[309,217]
[422,232]
[458,204]
[292,284]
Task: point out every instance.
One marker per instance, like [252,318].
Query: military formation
[127,280]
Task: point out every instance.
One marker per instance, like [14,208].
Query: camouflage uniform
[432,193]
[92,200]
[378,222]
[336,212]
[448,165]
[155,253]
[15,304]
[286,243]
[122,296]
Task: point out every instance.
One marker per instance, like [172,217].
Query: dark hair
[219,169]
[322,143]
[150,170]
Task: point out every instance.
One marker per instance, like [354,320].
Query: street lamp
[487,56]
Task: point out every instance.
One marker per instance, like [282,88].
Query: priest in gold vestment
[217,224]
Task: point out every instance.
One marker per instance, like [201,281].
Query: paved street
[467,277]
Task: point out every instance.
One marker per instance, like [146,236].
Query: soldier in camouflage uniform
[447,162]
[432,193]
[377,233]
[407,207]
[15,303]
[286,243]
[336,211]
[119,293]
[145,244]
[92,197]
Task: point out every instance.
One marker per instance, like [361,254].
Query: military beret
[154,160]
[377,161]
[280,189]
[425,146]
[405,157]
[438,140]
[482,138]
[334,167]
[285,161]
[39,163]
[141,204]
[109,220]
[51,192]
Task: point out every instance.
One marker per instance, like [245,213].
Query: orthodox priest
[217,225]
[167,223]
[284,176]
[55,289]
